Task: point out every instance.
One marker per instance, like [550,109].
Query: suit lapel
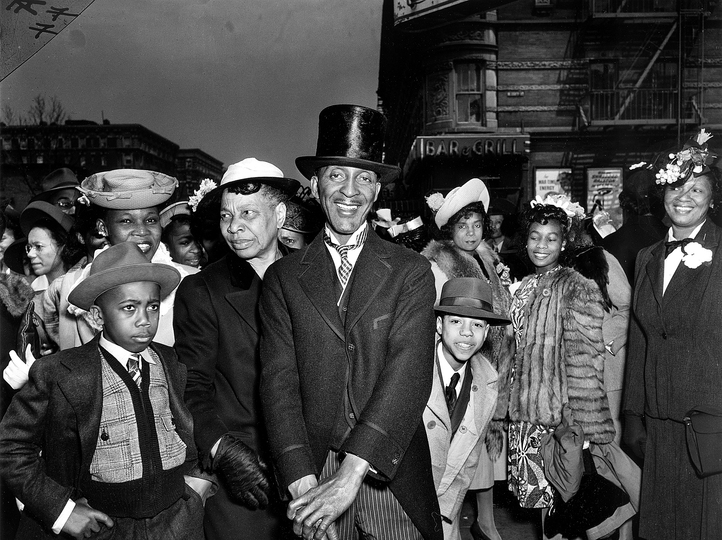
[83,389]
[370,275]
[317,279]
[437,399]
[243,298]
[655,271]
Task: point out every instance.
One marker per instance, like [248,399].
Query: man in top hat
[217,328]
[463,397]
[347,354]
[60,189]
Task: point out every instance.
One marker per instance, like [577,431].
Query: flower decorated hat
[694,159]
[445,207]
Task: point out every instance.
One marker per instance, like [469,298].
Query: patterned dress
[526,469]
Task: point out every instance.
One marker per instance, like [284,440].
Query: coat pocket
[172,448]
[113,461]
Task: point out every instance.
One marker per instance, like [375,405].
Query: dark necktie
[669,247]
[345,268]
[134,363]
[451,392]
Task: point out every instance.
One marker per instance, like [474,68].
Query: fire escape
[646,62]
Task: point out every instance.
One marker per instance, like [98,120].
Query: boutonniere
[695,255]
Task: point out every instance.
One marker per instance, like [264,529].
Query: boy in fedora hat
[100,437]
[343,386]
[463,396]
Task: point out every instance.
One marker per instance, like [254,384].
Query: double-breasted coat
[674,363]
[372,373]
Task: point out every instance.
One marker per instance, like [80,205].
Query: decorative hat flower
[695,255]
[207,185]
[434,201]
[563,201]
[694,158]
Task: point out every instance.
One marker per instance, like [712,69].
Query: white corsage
[434,201]
[695,255]
[563,201]
[502,271]
[207,185]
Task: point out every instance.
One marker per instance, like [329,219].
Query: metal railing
[646,104]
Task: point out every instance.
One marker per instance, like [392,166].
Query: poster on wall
[552,181]
[604,184]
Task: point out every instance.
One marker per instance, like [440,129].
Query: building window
[469,93]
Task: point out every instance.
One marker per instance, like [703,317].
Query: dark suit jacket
[674,356]
[58,412]
[217,332]
[376,369]
[625,243]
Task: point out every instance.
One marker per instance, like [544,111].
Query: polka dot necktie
[134,363]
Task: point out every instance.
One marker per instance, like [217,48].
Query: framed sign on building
[552,180]
[604,184]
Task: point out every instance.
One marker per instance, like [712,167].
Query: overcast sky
[234,78]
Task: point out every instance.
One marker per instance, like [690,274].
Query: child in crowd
[99,440]
[177,236]
[463,395]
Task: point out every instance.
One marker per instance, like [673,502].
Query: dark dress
[674,364]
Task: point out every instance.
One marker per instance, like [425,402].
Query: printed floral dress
[526,470]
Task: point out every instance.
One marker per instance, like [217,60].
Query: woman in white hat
[461,217]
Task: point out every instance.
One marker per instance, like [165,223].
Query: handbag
[704,439]
[561,452]
[597,500]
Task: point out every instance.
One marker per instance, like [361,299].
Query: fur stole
[560,357]
[16,294]
[499,346]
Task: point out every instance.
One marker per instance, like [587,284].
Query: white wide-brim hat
[128,189]
[181,208]
[472,191]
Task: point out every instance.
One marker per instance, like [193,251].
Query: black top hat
[349,135]
[469,297]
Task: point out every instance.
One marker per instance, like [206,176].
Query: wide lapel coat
[673,360]
[372,373]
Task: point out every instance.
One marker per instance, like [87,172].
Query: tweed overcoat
[377,366]
[58,413]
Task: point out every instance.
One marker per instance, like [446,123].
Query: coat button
[664,335]
[351,415]
[431,425]
[474,388]
[462,429]
[351,347]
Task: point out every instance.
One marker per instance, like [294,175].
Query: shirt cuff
[63,517]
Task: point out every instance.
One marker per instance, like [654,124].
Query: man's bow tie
[669,247]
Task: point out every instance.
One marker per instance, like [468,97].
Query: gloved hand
[244,474]
[16,372]
[635,435]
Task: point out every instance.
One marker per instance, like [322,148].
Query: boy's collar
[119,353]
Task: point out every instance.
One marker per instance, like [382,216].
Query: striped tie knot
[345,268]
[134,365]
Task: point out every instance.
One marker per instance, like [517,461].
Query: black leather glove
[243,473]
[635,435]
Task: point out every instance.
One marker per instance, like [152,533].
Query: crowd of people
[251,364]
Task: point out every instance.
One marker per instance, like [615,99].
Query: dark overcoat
[374,372]
[58,413]
[674,363]
[217,333]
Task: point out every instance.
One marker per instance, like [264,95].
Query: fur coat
[499,346]
[560,356]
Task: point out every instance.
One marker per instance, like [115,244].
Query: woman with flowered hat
[557,316]
[673,360]
[461,217]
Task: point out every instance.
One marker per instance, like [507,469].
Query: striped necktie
[345,268]
[134,364]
